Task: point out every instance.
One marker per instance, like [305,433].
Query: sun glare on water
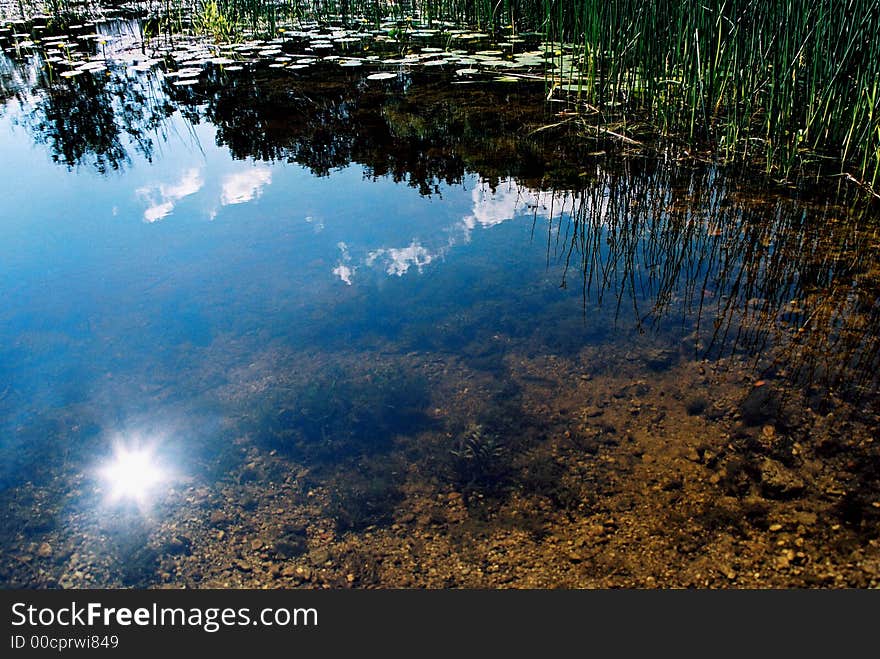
[132,474]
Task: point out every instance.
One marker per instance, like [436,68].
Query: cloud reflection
[344,271]
[242,187]
[398,261]
[162,198]
[491,206]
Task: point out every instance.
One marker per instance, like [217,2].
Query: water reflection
[751,270]
[404,289]
[162,197]
[242,187]
[744,273]
[94,119]
[656,237]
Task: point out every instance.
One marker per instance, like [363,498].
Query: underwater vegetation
[337,415]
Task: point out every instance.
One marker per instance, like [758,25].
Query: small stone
[761,405]
[596,530]
[778,482]
[727,571]
[256,544]
[319,557]
[806,518]
[696,405]
[219,518]
[242,565]
[775,527]
[179,544]
[660,359]
[44,550]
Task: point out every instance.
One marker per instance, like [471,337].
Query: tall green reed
[781,81]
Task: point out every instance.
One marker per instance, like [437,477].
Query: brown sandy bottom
[605,469]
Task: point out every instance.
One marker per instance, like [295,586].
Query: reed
[782,82]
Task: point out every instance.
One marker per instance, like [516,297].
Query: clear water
[392,282]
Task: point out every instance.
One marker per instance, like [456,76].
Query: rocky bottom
[595,470]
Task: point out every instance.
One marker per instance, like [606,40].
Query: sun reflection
[133,474]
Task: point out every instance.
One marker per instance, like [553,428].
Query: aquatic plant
[213,21]
[779,83]
[477,456]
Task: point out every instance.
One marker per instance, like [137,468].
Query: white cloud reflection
[344,271]
[509,199]
[398,260]
[242,187]
[490,207]
[162,198]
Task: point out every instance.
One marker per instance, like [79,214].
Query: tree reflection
[418,129]
[93,119]
[748,270]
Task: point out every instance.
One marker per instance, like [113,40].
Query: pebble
[319,557]
[778,482]
[44,550]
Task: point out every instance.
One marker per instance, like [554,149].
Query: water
[378,333]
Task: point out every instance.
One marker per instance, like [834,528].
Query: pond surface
[312,328]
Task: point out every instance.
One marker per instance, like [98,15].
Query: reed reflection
[751,270]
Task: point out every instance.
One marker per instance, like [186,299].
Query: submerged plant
[477,457]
